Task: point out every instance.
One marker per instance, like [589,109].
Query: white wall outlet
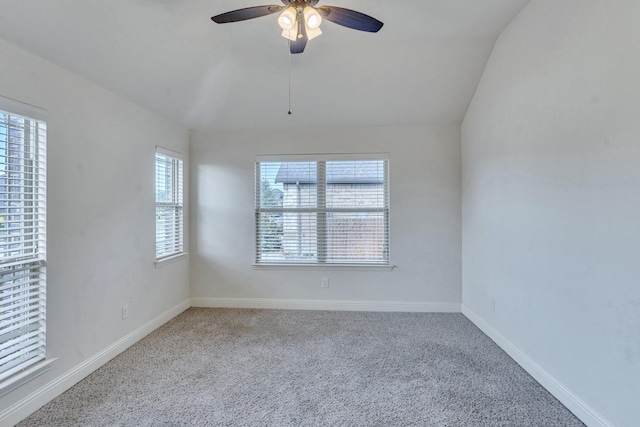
[125,311]
[325,282]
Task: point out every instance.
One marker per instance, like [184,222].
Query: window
[169,206]
[22,239]
[322,210]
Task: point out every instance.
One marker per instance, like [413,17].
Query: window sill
[325,267]
[25,376]
[170,259]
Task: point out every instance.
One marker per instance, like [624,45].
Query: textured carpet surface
[217,367]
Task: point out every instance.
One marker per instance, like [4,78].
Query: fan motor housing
[300,3]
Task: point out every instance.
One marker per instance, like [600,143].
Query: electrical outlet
[493,305]
[125,311]
[325,282]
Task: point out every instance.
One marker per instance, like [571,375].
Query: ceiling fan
[300,20]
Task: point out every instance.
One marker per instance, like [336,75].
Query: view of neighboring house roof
[361,172]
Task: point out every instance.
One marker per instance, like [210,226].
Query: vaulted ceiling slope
[169,57]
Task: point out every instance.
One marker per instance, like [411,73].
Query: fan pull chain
[289,77]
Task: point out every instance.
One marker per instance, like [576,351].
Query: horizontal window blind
[169,205]
[22,242]
[322,212]
[357,212]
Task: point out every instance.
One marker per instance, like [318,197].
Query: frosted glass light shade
[287,19]
[312,18]
[290,34]
[312,33]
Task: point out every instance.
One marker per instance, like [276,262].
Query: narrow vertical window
[22,241]
[169,204]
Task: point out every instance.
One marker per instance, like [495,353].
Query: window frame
[32,213]
[321,211]
[177,203]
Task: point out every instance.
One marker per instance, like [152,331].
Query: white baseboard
[579,407]
[333,305]
[31,403]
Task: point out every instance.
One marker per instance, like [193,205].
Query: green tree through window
[271,223]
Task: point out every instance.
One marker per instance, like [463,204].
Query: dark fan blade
[300,43]
[350,18]
[246,13]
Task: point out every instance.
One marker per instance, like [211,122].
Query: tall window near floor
[322,210]
[22,240]
[169,204]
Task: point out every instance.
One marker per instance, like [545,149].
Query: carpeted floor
[231,367]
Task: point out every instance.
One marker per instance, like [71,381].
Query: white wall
[551,199]
[425,221]
[101,233]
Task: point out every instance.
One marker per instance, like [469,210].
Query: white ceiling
[169,57]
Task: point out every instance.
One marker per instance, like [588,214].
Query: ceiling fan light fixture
[312,18]
[287,19]
[300,20]
[312,33]
[290,34]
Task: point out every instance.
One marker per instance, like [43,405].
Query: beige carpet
[228,367]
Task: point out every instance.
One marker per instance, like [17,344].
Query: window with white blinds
[322,211]
[169,204]
[22,242]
